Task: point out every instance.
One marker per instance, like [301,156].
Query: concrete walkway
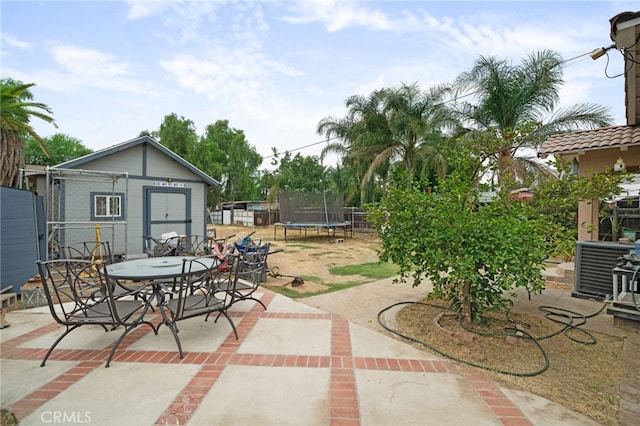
[322,362]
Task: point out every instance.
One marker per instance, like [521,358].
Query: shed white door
[167,210]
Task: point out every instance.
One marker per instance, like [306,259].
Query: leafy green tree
[61,148]
[301,173]
[471,253]
[178,134]
[207,154]
[268,186]
[231,160]
[345,180]
[152,134]
[517,106]
[557,199]
[16,110]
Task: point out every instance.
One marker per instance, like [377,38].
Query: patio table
[156,269]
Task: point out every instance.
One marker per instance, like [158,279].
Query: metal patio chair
[79,293]
[198,245]
[200,293]
[169,244]
[100,252]
[252,270]
[95,251]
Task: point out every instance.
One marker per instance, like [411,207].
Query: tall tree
[417,120]
[178,134]
[16,110]
[237,161]
[364,126]
[345,180]
[517,105]
[61,148]
[393,129]
[301,173]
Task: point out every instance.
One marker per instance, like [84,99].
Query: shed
[123,193]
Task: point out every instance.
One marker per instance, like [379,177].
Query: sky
[274,69]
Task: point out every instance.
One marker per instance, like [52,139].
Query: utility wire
[454,99]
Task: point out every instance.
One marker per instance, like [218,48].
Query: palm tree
[365,125]
[392,128]
[417,121]
[16,109]
[516,109]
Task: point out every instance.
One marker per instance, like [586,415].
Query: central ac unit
[593,265]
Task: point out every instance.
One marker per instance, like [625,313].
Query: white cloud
[13,41]
[89,68]
[236,76]
[89,63]
[144,8]
[336,16]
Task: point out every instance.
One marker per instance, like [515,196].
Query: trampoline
[330,228]
[302,211]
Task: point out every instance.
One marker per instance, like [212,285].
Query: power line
[303,147]
[455,99]
[575,57]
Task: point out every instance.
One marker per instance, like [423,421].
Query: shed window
[107,206]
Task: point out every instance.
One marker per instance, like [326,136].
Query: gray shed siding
[156,179]
[77,201]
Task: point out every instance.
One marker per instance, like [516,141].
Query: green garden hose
[552,313]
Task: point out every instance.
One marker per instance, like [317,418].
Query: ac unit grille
[594,262]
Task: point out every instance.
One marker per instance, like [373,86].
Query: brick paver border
[344,407]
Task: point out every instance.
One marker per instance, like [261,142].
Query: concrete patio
[322,362]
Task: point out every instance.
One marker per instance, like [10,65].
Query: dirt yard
[309,258]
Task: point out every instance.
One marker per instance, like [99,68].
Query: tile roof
[589,140]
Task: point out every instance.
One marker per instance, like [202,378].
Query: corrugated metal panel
[243,217]
[594,262]
[18,237]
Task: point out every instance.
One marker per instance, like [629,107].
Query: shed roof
[71,164]
[589,140]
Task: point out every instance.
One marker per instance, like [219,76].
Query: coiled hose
[558,315]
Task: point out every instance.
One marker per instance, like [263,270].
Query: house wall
[597,161]
[626,37]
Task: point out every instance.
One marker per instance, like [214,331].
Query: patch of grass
[363,273]
[286,291]
[322,253]
[373,270]
[331,287]
[301,246]
[342,286]
[332,284]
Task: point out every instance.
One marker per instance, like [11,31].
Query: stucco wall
[598,161]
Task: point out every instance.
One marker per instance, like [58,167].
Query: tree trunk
[11,158]
[467,318]
[506,175]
